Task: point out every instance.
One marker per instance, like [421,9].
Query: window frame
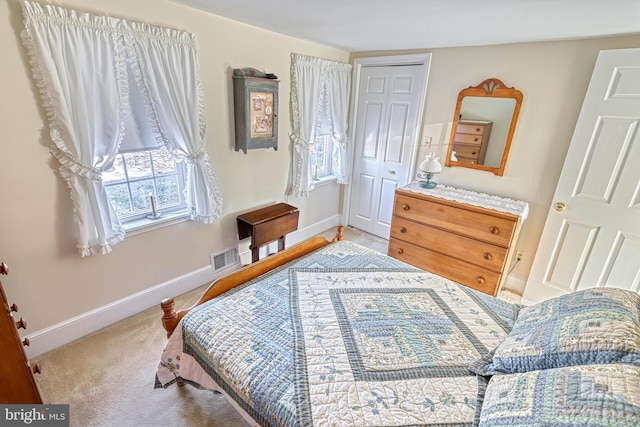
[135,221]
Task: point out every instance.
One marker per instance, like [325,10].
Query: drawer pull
[475,139]
[21,323]
[399,251]
[4,268]
[494,230]
[37,369]
[405,207]
[480,280]
[26,342]
[14,307]
[477,129]
[487,255]
[403,230]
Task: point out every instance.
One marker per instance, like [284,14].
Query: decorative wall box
[255,98]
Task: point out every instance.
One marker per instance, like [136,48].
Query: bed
[334,334]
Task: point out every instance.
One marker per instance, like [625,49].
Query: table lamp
[429,167]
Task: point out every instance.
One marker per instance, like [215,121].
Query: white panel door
[592,234]
[389,104]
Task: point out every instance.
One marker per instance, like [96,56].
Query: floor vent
[226,259]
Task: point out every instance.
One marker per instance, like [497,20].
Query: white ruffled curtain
[315,84]
[79,62]
[167,69]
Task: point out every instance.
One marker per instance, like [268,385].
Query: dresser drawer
[470,128]
[497,230]
[466,249]
[459,271]
[462,138]
[469,151]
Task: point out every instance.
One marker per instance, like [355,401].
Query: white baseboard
[515,283]
[79,326]
[84,324]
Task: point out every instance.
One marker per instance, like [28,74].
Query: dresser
[464,236]
[471,140]
[17,383]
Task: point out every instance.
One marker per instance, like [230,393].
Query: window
[321,158]
[140,177]
[320,154]
[319,127]
[121,69]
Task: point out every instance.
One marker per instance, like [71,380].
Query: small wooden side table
[267,225]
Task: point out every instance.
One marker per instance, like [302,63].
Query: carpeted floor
[107,378]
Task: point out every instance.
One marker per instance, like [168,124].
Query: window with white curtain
[114,92]
[319,105]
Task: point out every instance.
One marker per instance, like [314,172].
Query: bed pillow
[594,395]
[598,325]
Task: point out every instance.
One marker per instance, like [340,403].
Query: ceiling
[365,25]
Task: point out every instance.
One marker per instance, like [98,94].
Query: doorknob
[559,206]
[392,172]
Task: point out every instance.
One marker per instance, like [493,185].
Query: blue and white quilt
[344,336]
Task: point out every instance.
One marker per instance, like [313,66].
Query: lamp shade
[430,164]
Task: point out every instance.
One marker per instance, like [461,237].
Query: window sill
[143,225]
[325,180]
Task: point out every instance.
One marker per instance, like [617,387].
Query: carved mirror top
[483,126]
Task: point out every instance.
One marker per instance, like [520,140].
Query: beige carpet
[107,378]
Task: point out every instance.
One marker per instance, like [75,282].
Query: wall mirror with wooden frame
[483,126]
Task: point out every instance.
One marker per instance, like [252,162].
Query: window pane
[162,162]
[138,164]
[117,174]
[167,190]
[140,191]
[119,196]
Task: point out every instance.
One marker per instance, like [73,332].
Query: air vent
[226,259]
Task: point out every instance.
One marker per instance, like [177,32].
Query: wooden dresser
[17,383]
[464,236]
[471,139]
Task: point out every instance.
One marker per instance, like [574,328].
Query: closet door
[388,113]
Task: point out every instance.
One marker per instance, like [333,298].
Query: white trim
[84,324]
[423,59]
[79,326]
[515,283]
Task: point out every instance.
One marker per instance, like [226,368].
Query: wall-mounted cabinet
[255,97]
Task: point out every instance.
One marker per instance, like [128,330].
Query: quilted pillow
[594,395]
[597,325]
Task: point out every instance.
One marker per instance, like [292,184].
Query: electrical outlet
[519,255]
[427,141]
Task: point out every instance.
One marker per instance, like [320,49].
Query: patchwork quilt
[343,336]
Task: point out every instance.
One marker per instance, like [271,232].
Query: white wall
[48,279]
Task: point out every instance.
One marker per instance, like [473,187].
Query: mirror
[483,126]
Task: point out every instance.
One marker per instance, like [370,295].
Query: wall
[553,77]
[49,280]
[52,284]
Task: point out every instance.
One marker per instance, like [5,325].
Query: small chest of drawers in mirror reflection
[471,141]
[467,237]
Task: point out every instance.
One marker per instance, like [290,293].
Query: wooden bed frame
[171,318]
